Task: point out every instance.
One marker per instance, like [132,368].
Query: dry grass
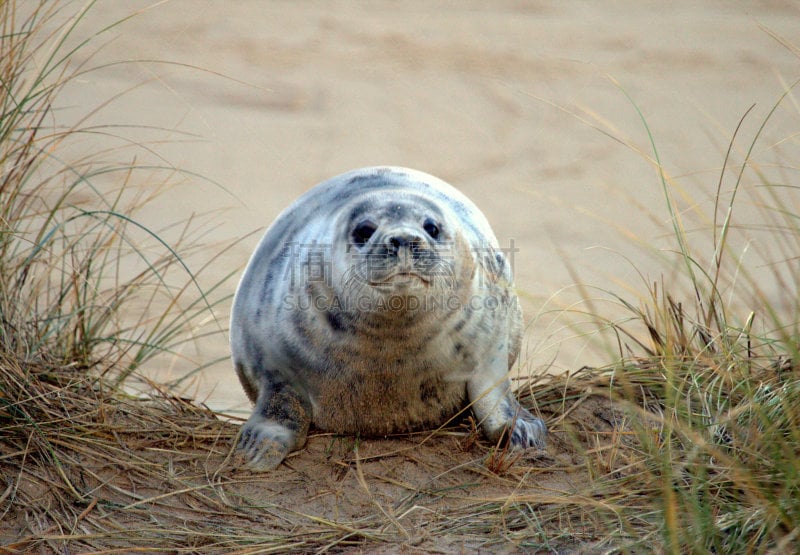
[86,469]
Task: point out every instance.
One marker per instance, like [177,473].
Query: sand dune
[527,107]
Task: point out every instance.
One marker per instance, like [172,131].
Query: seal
[378,302]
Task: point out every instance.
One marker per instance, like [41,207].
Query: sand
[530,108]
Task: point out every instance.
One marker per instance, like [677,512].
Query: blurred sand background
[502,99]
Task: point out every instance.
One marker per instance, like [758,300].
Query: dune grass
[72,253]
[688,442]
[712,401]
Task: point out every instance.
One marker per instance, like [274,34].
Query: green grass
[73,257]
[709,371]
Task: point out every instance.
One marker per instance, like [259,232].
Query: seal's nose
[404,242]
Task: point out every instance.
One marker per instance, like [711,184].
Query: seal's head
[404,256]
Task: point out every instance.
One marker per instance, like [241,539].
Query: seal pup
[378,302]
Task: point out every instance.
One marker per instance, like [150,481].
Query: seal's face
[401,256]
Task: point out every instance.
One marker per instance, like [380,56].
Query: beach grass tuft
[75,263]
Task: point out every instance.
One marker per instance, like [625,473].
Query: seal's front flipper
[279,424]
[497,411]
[527,430]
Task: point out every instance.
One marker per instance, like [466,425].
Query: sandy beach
[532,109]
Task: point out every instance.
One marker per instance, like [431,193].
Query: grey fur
[378,302]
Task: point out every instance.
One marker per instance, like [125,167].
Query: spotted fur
[378,302]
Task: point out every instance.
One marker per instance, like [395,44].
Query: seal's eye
[363,232]
[431,229]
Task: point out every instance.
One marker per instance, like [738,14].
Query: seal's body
[378,302]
